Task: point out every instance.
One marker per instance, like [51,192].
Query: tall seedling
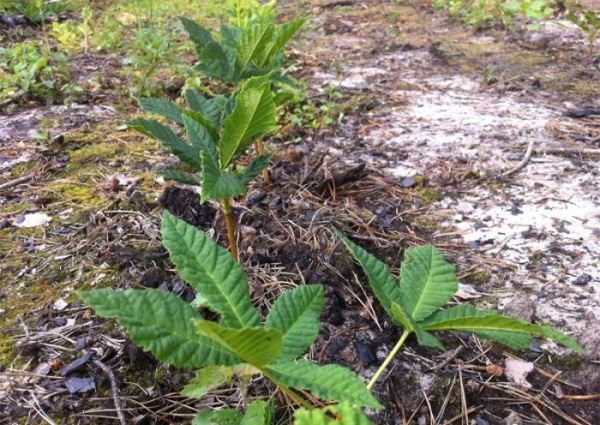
[176,333]
[218,131]
[251,45]
[427,282]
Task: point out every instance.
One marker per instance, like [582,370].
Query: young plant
[258,412]
[251,45]
[427,282]
[588,22]
[340,414]
[218,130]
[177,333]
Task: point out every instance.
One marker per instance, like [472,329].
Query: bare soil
[439,144]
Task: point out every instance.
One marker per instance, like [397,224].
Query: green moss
[7,355]
[22,168]
[428,194]
[92,153]
[478,277]
[17,207]
[426,223]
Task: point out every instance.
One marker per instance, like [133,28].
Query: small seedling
[219,130]
[258,412]
[427,282]
[252,45]
[176,333]
[340,414]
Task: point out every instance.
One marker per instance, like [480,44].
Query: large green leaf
[162,107]
[211,270]
[340,414]
[160,322]
[331,382]
[296,314]
[206,380]
[254,115]
[216,183]
[213,109]
[198,34]
[284,33]
[200,137]
[255,346]
[427,281]
[186,152]
[489,324]
[384,284]
[179,177]
[217,61]
[425,338]
[252,44]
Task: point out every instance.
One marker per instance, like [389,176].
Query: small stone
[513,419]
[407,182]
[80,385]
[366,352]
[464,207]
[59,305]
[521,308]
[583,279]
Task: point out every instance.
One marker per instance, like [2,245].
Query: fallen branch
[16,182]
[569,151]
[114,388]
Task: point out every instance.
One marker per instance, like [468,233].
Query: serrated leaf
[283,35]
[179,177]
[259,412]
[200,137]
[384,284]
[427,281]
[255,346]
[254,169]
[331,382]
[162,107]
[217,61]
[566,340]
[400,316]
[296,314]
[216,183]
[218,417]
[211,271]
[159,322]
[213,109]
[206,380]
[253,115]
[187,153]
[340,414]
[252,43]
[199,35]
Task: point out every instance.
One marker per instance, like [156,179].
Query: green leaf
[187,153]
[159,322]
[206,380]
[162,107]
[285,32]
[218,417]
[296,314]
[211,271]
[213,109]
[400,316]
[198,34]
[331,382]
[255,346]
[427,281]
[340,414]
[200,137]
[218,184]
[254,169]
[259,412]
[217,61]
[253,115]
[179,177]
[566,340]
[384,284]
[252,44]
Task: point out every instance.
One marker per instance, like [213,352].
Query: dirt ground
[475,141]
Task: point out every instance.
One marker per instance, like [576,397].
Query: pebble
[582,280]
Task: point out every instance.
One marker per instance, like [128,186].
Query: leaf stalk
[388,359]
[226,207]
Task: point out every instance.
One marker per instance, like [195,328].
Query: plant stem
[388,359]
[260,148]
[226,207]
